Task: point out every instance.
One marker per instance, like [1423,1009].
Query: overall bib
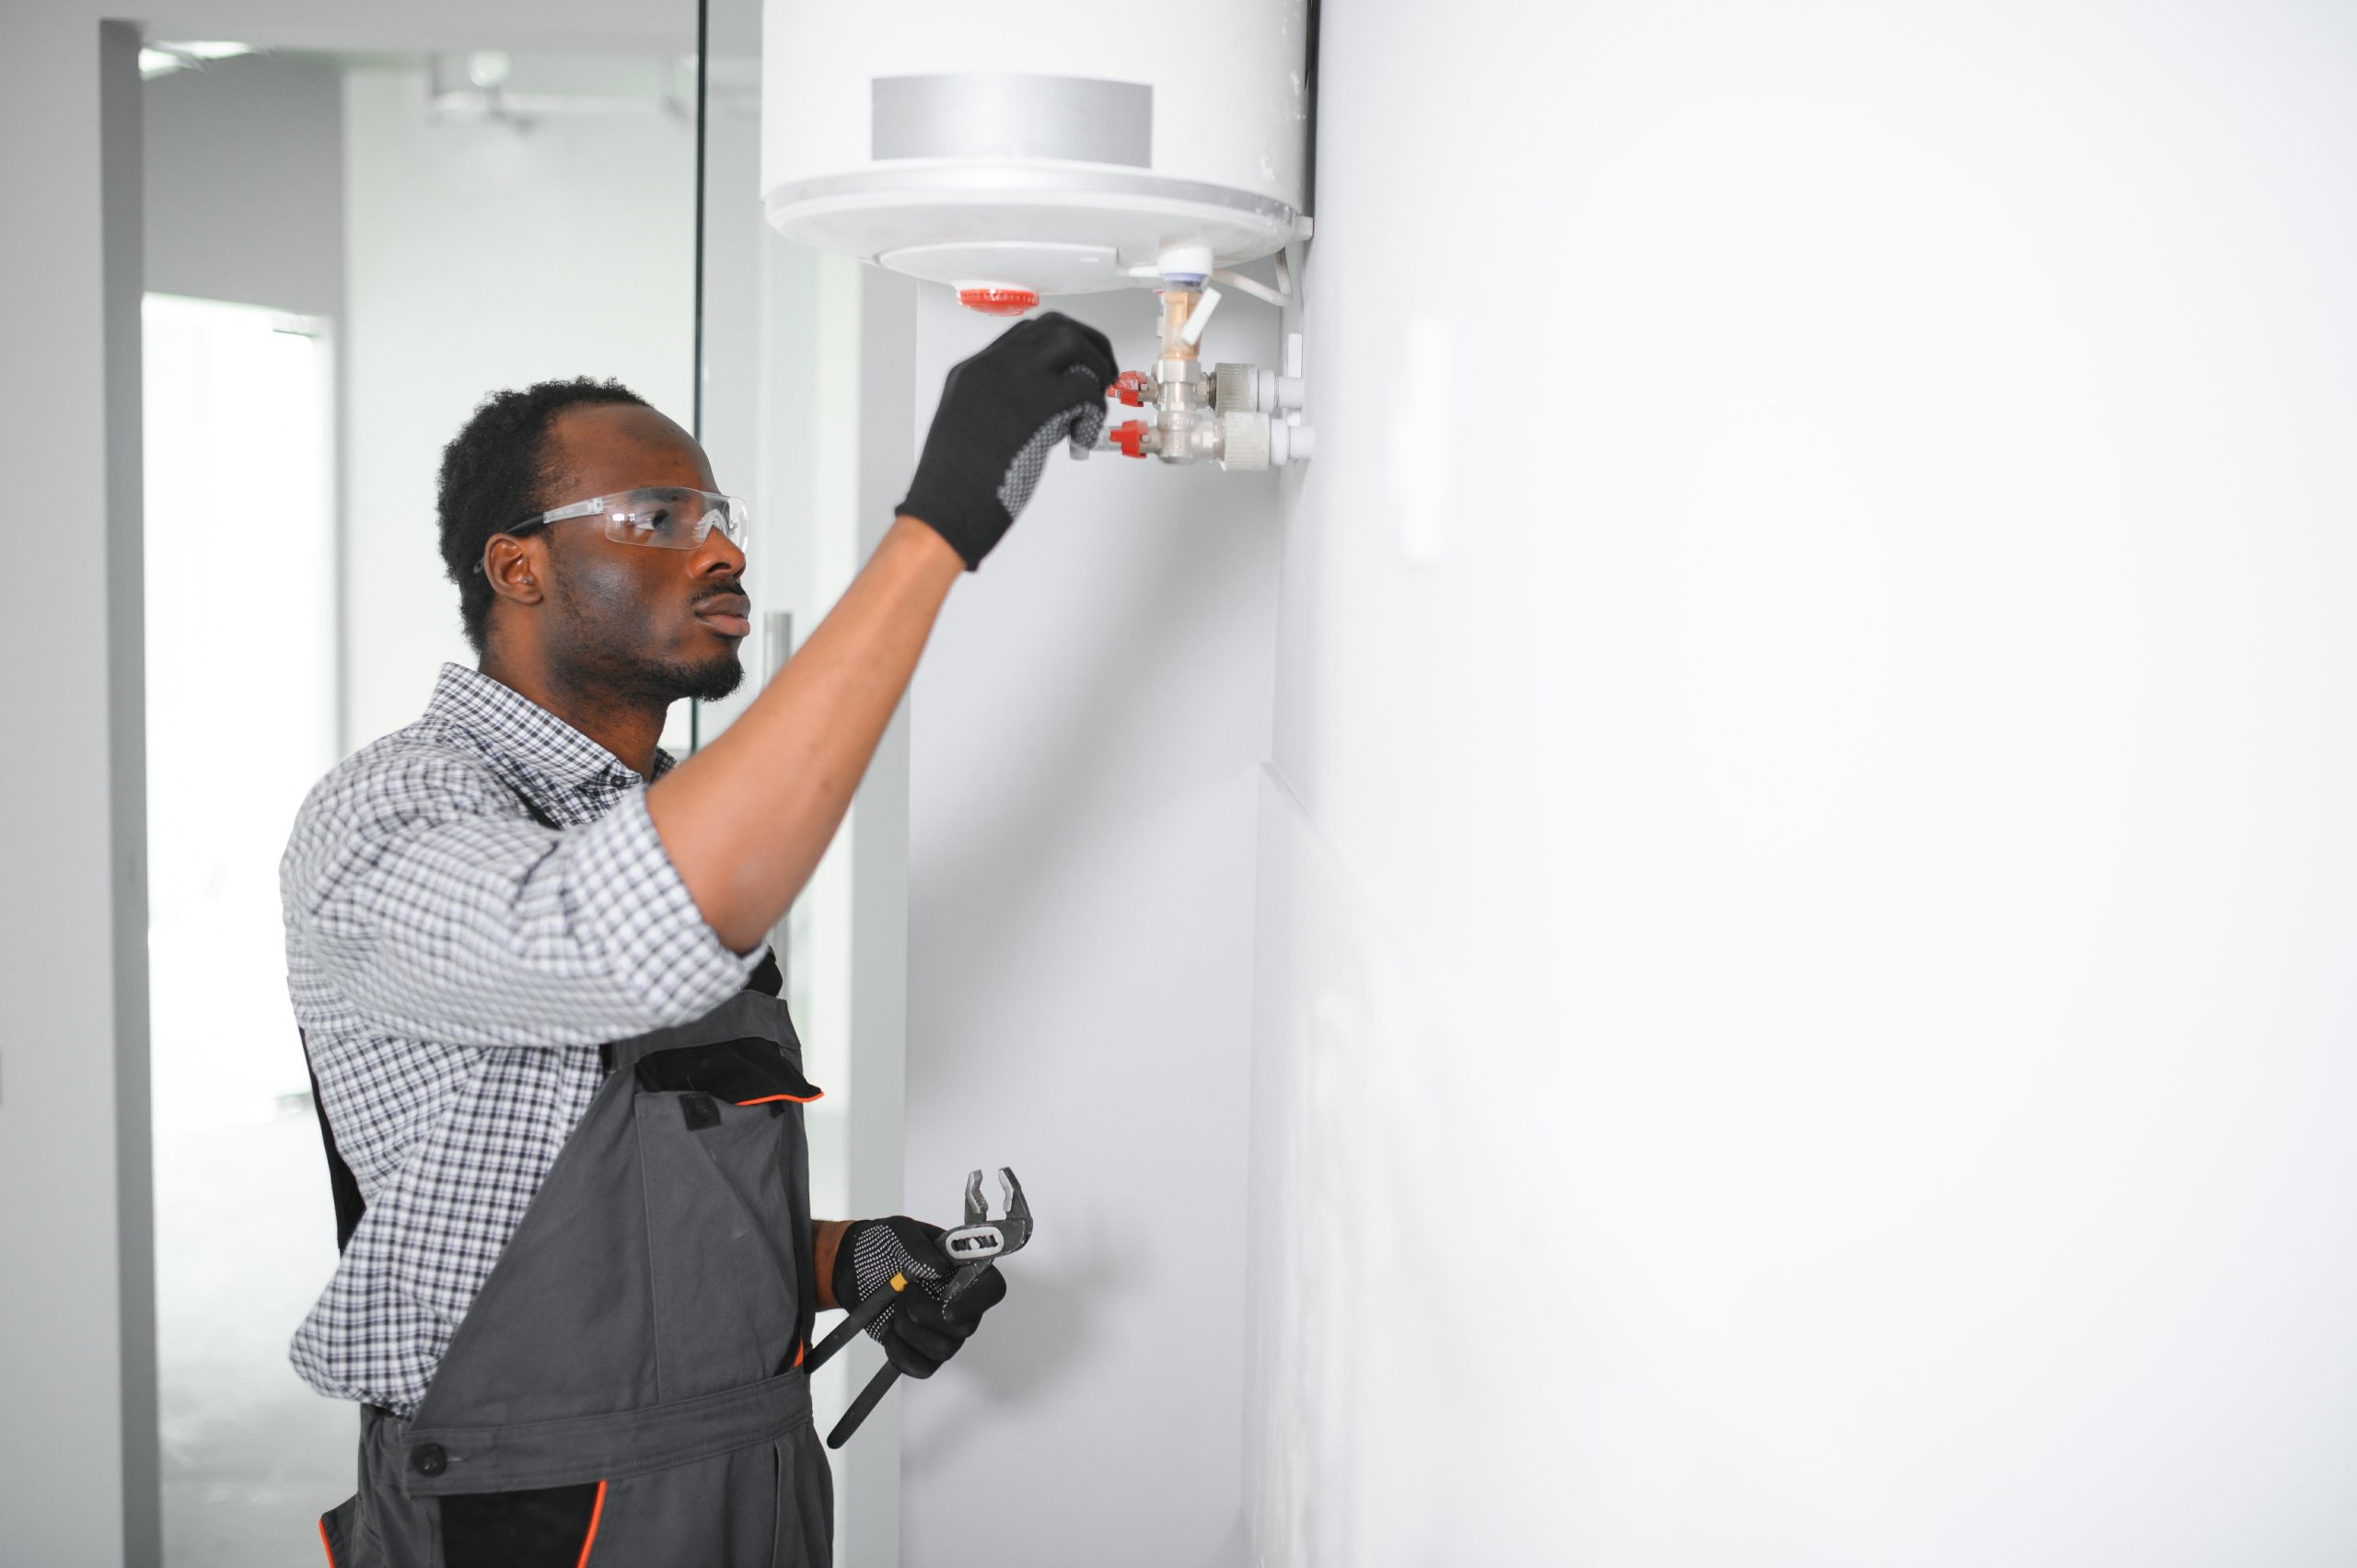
[627,1392]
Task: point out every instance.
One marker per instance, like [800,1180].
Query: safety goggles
[662,516]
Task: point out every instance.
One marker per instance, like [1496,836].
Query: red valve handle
[1130,388]
[1129,435]
[997,300]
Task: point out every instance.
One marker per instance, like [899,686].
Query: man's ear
[516,568]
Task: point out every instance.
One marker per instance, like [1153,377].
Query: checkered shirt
[454,966]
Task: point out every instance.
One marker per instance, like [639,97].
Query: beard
[606,655]
[703,681]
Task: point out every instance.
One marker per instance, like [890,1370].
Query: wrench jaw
[981,1241]
[1018,1224]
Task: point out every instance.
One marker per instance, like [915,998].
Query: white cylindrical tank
[1038,146]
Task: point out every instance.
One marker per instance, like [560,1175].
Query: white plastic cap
[1192,262]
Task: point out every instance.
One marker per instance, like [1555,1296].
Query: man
[562,1100]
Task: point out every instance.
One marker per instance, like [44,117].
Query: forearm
[746,819]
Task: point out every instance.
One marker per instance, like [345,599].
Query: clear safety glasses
[662,516]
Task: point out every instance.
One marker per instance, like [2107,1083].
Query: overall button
[428,1459]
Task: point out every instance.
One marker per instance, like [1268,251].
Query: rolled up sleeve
[442,915]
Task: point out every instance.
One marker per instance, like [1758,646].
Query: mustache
[730,590]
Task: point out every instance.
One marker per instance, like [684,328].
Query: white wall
[483,259]
[1806,927]
[1086,729]
[77,1450]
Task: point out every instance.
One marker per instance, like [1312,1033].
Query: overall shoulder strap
[342,1184]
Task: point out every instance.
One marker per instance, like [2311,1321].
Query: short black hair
[494,474]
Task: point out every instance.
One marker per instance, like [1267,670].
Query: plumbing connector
[1185,429]
[1236,415]
[1251,441]
[1178,307]
[1246,387]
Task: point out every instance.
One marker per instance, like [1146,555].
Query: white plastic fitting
[1194,261]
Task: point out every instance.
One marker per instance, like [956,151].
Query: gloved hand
[917,1332]
[1002,413]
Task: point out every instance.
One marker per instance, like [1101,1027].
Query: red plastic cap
[1129,435]
[998,301]
[1130,389]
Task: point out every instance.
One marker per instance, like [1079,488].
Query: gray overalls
[627,1392]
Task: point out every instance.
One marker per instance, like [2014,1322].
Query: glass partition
[781,374]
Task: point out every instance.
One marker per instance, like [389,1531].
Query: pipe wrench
[975,1247]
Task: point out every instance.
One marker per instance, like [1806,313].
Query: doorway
[241,719]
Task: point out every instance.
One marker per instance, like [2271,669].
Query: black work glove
[1002,413]
[918,1333]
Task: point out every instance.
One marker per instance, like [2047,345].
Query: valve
[1238,416]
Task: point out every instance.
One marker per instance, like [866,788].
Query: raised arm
[746,817]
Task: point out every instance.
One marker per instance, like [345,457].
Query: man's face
[636,619]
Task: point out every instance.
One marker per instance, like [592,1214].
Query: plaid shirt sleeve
[442,910]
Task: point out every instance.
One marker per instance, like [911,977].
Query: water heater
[1048,146]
